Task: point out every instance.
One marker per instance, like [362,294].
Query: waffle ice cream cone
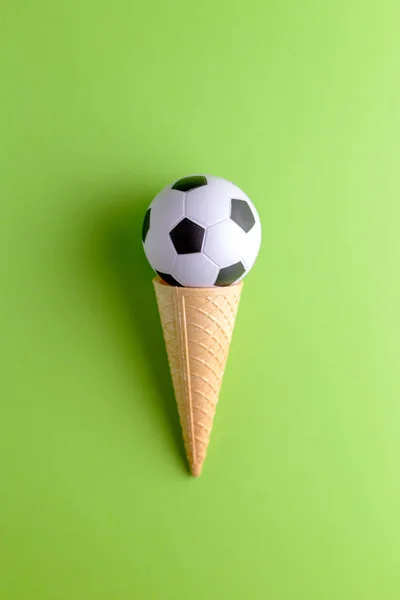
[197,325]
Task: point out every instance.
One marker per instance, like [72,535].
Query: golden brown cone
[197,325]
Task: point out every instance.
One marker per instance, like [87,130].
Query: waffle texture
[197,325]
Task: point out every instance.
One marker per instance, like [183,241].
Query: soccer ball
[202,231]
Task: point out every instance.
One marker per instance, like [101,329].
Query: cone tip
[195,469]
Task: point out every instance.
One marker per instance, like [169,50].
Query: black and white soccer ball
[202,231]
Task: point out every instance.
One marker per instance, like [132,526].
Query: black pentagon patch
[169,279]
[228,275]
[146,225]
[187,237]
[189,183]
[242,215]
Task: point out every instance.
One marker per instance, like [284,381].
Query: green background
[102,104]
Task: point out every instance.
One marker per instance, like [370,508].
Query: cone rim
[193,291]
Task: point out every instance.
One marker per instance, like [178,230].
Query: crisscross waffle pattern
[197,325]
